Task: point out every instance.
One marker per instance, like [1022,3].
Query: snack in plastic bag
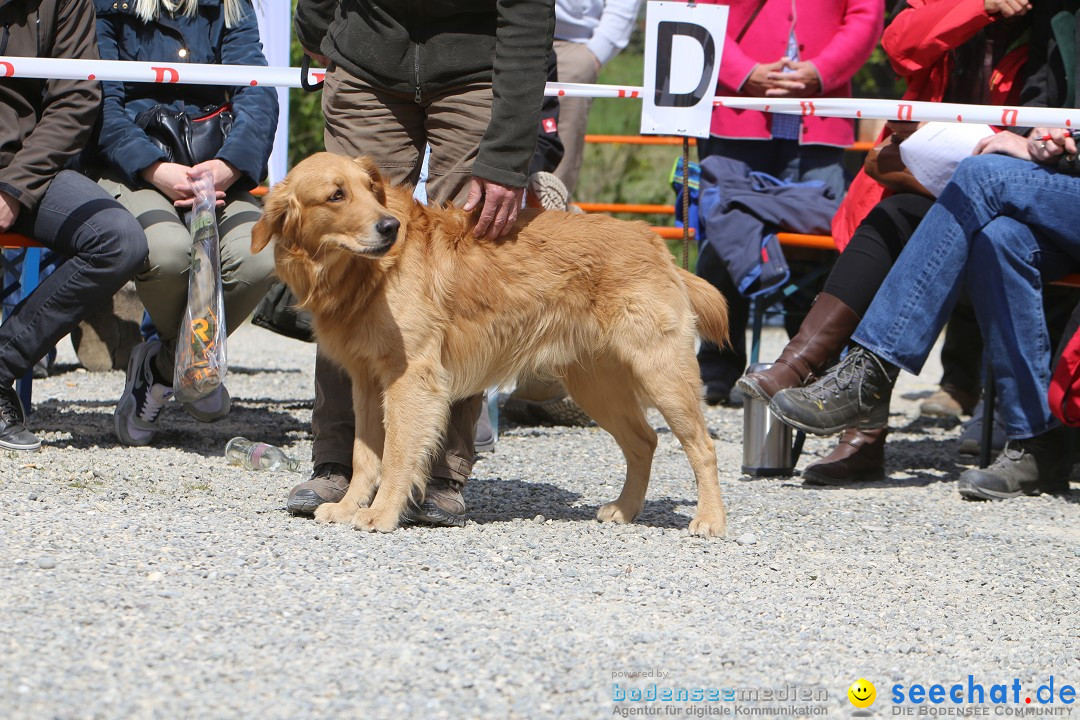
[200,347]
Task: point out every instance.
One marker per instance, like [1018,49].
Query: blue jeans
[1003,227]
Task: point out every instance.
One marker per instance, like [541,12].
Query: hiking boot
[137,413]
[949,401]
[823,334]
[547,191]
[328,483]
[442,506]
[853,394]
[858,457]
[543,402]
[1025,467]
[213,407]
[13,432]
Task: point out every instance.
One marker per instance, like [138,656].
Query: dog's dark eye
[338,196]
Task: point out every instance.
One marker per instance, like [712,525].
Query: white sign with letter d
[683,44]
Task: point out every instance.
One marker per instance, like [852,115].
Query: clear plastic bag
[200,347]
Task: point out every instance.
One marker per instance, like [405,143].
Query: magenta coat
[836,35]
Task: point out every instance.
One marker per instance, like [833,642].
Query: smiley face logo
[862,693]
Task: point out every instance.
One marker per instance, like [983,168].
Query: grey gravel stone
[252,612]
[46,563]
[746,539]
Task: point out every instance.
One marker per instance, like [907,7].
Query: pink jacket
[836,35]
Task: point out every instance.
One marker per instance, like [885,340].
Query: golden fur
[420,314]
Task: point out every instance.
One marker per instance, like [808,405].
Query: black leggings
[861,268]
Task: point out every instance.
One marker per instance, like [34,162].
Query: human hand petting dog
[500,207]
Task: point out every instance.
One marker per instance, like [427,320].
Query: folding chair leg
[31,273]
[989,392]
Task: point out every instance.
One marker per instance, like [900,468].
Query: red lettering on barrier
[320,75]
[1008,116]
[6,69]
[903,112]
[161,72]
[807,107]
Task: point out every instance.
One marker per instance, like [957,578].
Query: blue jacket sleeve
[255,109]
[120,142]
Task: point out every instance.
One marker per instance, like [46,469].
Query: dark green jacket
[420,47]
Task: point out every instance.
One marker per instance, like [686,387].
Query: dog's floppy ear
[377,187]
[281,216]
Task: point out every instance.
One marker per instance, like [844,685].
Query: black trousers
[105,247]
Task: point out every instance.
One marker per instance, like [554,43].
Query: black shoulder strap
[750,21]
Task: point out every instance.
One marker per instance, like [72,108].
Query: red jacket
[836,35]
[918,42]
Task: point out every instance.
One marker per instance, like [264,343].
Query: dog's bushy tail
[709,306]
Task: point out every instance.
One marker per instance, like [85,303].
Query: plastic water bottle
[258,455]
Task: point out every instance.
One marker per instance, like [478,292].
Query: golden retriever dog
[421,314]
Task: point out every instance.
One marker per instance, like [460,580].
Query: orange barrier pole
[670,140]
[637,139]
[626,208]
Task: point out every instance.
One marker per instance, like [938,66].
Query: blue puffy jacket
[122,35]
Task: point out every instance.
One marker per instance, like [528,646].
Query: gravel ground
[160,582]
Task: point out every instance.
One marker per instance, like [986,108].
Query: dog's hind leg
[367,452]
[417,409]
[606,393]
[675,389]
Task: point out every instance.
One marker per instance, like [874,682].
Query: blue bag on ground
[740,212]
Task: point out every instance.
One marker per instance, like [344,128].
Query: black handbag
[187,139]
[277,311]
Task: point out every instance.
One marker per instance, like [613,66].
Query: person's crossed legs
[1006,226]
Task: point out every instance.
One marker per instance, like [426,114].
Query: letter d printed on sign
[683,44]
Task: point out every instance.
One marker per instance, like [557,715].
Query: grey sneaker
[13,432]
[853,394]
[443,505]
[213,407]
[328,483]
[136,415]
[1025,467]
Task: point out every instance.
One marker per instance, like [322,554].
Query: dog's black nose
[387,227]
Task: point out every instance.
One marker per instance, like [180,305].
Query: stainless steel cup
[767,445]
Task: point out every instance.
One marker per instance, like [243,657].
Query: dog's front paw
[334,513]
[709,525]
[614,512]
[374,520]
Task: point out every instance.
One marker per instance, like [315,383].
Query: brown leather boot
[823,334]
[859,457]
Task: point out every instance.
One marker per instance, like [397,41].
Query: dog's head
[328,201]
